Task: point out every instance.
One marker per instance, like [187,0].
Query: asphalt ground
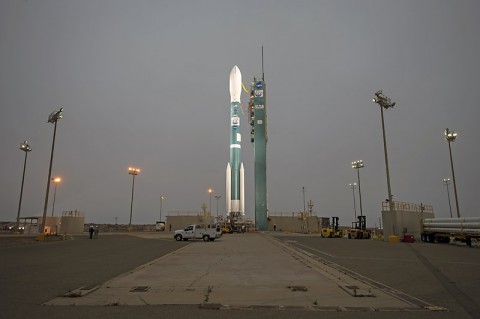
[446,275]
[32,275]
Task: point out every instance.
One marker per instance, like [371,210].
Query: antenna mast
[263,74]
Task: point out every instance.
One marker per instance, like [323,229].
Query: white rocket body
[235,181]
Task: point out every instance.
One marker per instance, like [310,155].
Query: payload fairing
[235,182]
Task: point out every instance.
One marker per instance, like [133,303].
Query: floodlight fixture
[450,136]
[55,116]
[357,164]
[383,100]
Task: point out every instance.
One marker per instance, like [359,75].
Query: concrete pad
[237,271]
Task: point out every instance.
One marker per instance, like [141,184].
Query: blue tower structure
[258,136]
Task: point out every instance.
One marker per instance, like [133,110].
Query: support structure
[258,136]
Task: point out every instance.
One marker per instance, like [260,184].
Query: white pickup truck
[205,232]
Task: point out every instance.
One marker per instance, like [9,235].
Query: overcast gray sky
[145,83]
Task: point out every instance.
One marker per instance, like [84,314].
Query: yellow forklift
[332,230]
[359,229]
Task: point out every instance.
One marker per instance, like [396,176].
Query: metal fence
[406,207]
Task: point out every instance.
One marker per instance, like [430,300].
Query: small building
[401,218]
[296,222]
[71,222]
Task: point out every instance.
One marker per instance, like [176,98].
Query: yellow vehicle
[226,229]
[332,230]
[359,229]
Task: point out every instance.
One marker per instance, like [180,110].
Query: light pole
[26,148]
[357,165]
[353,186]
[446,182]
[450,136]
[210,191]
[52,118]
[56,181]
[386,103]
[161,202]
[217,197]
[303,191]
[134,172]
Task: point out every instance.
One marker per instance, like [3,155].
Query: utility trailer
[443,230]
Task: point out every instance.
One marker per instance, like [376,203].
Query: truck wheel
[206,238]
[178,237]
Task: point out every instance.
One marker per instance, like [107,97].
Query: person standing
[91,230]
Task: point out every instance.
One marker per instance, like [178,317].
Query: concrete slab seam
[384,288]
[147,264]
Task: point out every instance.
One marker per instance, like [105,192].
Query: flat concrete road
[240,275]
[447,275]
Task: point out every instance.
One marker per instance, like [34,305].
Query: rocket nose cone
[235,70]
[235,84]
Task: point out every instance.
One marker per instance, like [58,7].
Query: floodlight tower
[451,136]
[446,182]
[357,165]
[258,136]
[134,172]
[353,186]
[385,103]
[26,148]
[52,118]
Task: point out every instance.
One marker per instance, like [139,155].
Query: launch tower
[258,136]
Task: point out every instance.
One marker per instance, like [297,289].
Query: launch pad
[245,271]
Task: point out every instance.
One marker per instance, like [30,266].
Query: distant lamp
[450,135]
[446,182]
[217,198]
[210,191]
[56,181]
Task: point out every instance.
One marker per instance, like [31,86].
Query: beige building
[71,222]
[404,218]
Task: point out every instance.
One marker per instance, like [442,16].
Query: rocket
[235,182]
